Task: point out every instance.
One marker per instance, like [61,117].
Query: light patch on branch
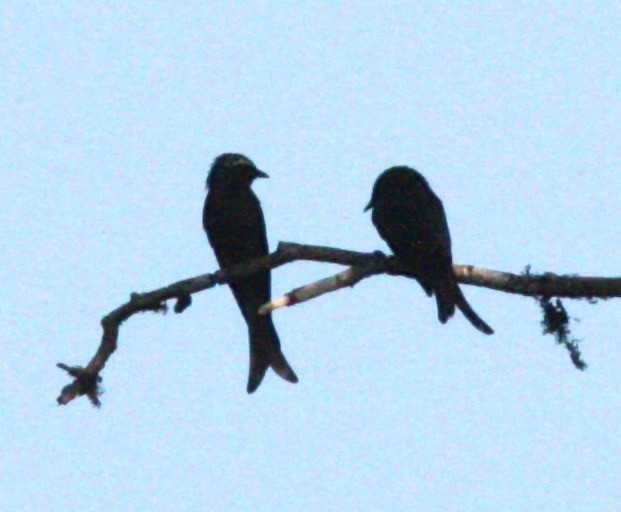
[349,277]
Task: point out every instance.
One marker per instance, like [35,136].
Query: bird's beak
[369,206]
[261,174]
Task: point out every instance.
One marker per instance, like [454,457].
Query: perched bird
[411,219]
[235,227]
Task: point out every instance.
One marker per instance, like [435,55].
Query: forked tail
[446,298]
[260,362]
[470,314]
[265,352]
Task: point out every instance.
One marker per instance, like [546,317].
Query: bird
[235,227]
[410,218]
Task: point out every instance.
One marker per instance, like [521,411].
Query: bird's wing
[414,224]
[236,230]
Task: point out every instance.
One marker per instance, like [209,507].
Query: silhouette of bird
[235,227]
[410,218]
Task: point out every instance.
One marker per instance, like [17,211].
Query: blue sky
[112,113]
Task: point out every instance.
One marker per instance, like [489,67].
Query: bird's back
[233,220]
[235,228]
[410,217]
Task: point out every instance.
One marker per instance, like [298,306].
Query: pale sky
[112,113]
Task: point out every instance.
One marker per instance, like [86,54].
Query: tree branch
[362,265]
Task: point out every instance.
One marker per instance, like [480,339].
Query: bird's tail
[446,298]
[470,313]
[265,352]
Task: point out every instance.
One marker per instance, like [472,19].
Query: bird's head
[393,181]
[233,169]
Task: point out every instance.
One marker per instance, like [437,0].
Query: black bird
[235,227]
[411,219]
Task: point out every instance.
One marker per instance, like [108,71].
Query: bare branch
[349,277]
[544,285]
[361,264]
